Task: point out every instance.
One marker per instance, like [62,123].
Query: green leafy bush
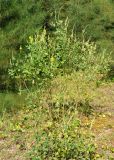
[50,55]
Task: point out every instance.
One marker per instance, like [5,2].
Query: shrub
[74,91]
[50,55]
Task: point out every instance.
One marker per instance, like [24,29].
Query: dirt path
[103,124]
[10,151]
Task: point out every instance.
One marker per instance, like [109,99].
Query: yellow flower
[103,115]
[20,48]
[52,59]
[30,39]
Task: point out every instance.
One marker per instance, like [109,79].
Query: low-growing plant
[64,141]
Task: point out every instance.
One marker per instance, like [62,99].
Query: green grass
[10,102]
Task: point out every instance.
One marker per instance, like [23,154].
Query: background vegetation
[21,19]
[53,57]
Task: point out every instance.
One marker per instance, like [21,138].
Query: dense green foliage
[21,19]
[18,20]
